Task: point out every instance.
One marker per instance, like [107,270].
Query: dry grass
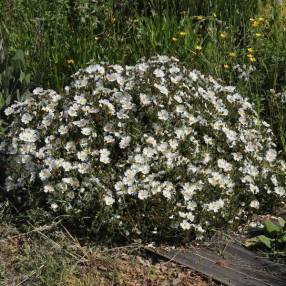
[47,256]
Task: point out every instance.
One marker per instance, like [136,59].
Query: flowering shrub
[151,148]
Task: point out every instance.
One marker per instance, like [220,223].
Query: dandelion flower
[223,35]
[182,34]
[250,50]
[70,62]
[255,24]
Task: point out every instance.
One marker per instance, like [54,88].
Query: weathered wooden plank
[243,257]
[233,270]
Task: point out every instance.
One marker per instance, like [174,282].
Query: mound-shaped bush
[150,149]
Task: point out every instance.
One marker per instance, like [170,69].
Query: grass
[48,257]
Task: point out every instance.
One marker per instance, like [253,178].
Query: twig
[31,275]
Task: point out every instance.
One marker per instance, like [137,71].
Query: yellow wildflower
[70,62]
[252,59]
[223,35]
[261,19]
[251,20]
[182,34]
[226,66]
[232,54]
[255,24]
[258,35]
[250,50]
[174,39]
[199,18]
[198,47]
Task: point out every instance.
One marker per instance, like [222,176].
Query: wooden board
[236,266]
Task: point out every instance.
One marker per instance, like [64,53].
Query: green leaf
[19,56]
[283,238]
[281,222]
[22,76]
[264,240]
[271,227]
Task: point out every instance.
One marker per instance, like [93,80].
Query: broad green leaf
[22,76]
[283,238]
[19,56]
[264,240]
[281,222]
[271,227]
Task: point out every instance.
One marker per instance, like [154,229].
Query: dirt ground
[49,257]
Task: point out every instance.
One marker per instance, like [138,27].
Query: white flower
[118,186]
[162,88]
[83,168]
[9,110]
[163,115]
[279,191]
[82,155]
[185,225]
[26,118]
[174,69]
[86,131]
[216,205]
[80,99]
[143,194]
[230,134]
[158,73]
[149,152]
[143,67]
[45,174]
[49,189]
[108,139]
[109,201]
[55,97]
[189,191]
[125,141]
[271,155]
[151,140]
[237,156]
[104,156]
[63,129]
[163,147]
[95,69]
[208,140]
[37,91]
[224,165]
[67,166]
[54,206]
[145,99]
[72,111]
[254,204]
[193,76]
[70,147]
[28,135]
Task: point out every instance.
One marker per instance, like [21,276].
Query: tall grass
[60,36]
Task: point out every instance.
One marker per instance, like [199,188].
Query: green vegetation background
[44,42]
